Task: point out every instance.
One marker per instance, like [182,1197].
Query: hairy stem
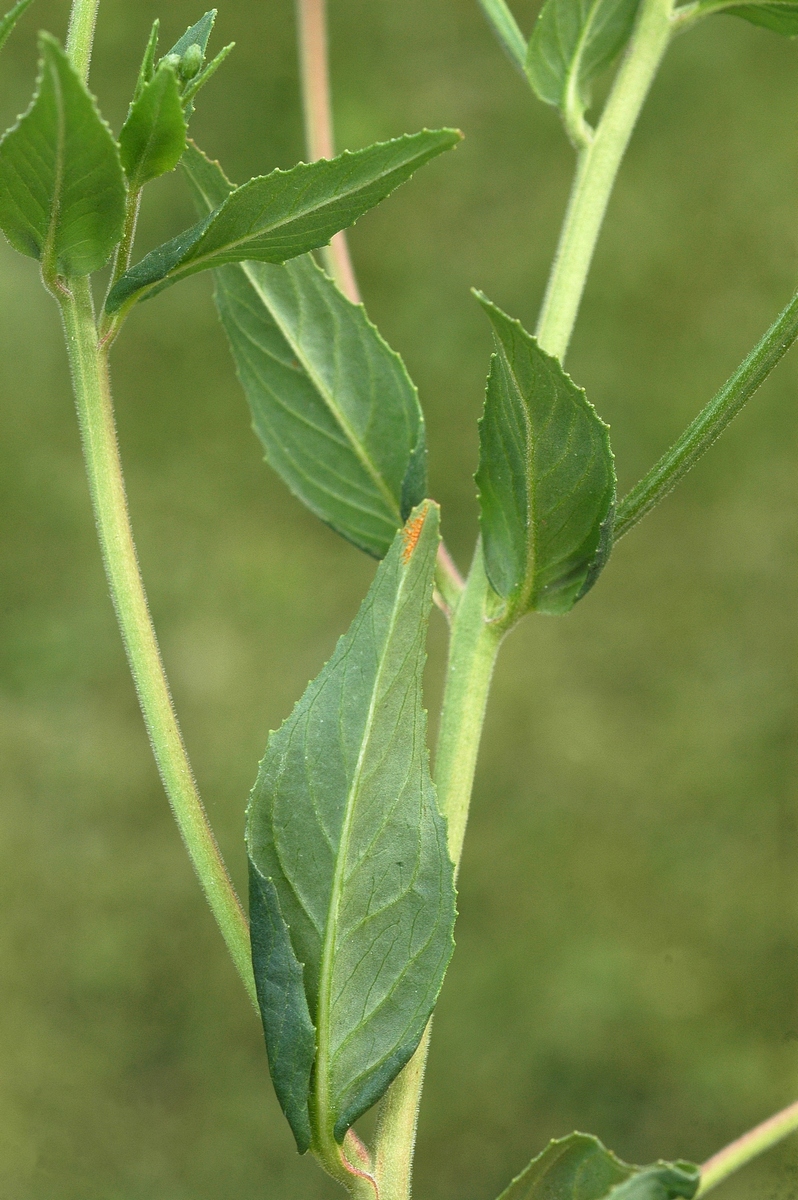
[90,379]
[597,168]
[80,38]
[744,1149]
[319,139]
[710,422]
[473,647]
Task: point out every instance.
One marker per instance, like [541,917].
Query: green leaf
[62,191]
[781,16]
[571,43]
[333,405]
[279,216]
[578,1167]
[8,22]
[147,68]
[153,137]
[546,479]
[353,903]
[505,26]
[195,35]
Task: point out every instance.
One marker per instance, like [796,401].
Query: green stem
[80,38]
[710,422]
[505,26]
[744,1149]
[90,379]
[473,647]
[597,167]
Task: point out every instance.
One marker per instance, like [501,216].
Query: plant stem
[80,37]
[710,422]
[505,26]
[319,139]
[744,1149]
[597,167]
[90,379]
[473,647]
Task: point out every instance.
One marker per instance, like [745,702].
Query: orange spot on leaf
[411,533]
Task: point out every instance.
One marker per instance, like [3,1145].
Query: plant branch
[710,422]
[90,379]
[762,1137]
[80,38]
[319,138]
[597,168]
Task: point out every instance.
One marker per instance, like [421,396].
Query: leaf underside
[62,192]
[282,215]
[546,479]
[571,43]
[352,901]
[153,137]
[579,1167]
[8,22]
[333,405]
[780,16]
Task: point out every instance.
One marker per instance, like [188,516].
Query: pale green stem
[473,646]
[597,168]
[762,1137]
[90,379]
[80,38]
[710,422]
[319,138]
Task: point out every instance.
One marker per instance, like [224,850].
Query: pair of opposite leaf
[574,41]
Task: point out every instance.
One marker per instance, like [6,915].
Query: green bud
[191,62]
[172,60]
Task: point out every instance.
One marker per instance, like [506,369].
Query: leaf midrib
[326,968]
[572,73]
[48,249]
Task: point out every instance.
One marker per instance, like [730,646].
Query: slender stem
[505,26]
[744,1149]
[473,647]
[90,378]
[710,422]
[319,138]
[80,38]
[597,167]
[110,325]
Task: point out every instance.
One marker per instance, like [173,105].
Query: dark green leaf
[8,22]
[546,479]
[147,68]
[195,35]
[62,191]
[153,137]
[279,216]
[353,902]
[336,412]
[578,1167]
[779,15]
[572,42]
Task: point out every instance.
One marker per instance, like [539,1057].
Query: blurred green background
[626,958]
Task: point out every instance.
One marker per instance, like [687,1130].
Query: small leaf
[579,1167]
[546,479]
[282,215]
[153,137]
[62,191]
[352,904]
[147,68]
[505,26]
[195,35]
[781,16]
[571,43]
[8,22]
[333,405]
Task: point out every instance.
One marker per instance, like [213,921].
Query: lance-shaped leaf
[153,137]
[779,15]
[546,479]
[279,216]
[8,22]
[571,43]
[62,191]
[352,899]
[195,35]
[579,1167]
[333,405]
